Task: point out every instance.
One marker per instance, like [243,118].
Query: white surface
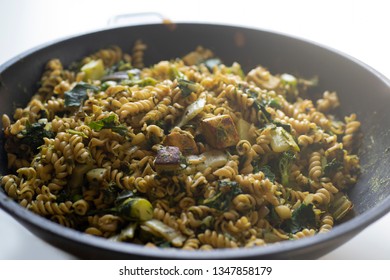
[359,28]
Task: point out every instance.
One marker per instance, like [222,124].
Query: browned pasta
[187,153]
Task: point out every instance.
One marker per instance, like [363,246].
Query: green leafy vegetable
[285,126]
[226,192]
[285,163]
[135,209]
[77,95]
[33,135]
[281,140]
[302,217]
[120,66]
[332,167]
[125,194]
[274,104]
[93,70]
[259,105]
[273,217]
[174,73]
[75,132]
[148,81]
[266,169]
[207,223]
[187,87]
[110,122]
[110,194]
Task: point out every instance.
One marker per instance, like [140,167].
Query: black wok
[361,89]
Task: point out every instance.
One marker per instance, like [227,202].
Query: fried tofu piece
[168,159]
[183,140]
[220,131]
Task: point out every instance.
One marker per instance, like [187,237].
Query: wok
[361,90]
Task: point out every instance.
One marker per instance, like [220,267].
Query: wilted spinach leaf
[34,134]
[302,217]
[227,191]
[333,166]
[77,95]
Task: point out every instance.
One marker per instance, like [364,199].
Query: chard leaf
[259,105]
[110,122]
[333,166]
[187,87]
[34,133]
[226,192]
[77,95]
[302,217]
[266,169]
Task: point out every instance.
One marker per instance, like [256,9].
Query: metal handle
[137,18]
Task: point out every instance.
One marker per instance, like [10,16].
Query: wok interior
[360,90]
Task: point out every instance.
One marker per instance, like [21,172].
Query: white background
[358,28]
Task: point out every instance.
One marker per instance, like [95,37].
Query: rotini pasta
[187,153]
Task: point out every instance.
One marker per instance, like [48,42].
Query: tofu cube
[220,131]
[168,159]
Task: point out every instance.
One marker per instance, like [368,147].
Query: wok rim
[308,245]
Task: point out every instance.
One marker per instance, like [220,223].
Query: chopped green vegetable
[148,81]
[125,194]
[135,209]
[77,95]
[115,77]
[332,167]
[93,70]
[160,229]
[226,192]
[126,234]
[288,79]
[266,169]
[174,73]
[340,206]
[134,74]
[273,103]
[207,223]
[285,163]
[110,194]
[285,126]
[75,132]
[302,217]
[33,135]
[107,84]
[282,141]
[259,105]
[187,87]
[110,122]
[273,217]
[120,66]
[192,110]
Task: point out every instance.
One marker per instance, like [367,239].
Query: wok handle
[137,18]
